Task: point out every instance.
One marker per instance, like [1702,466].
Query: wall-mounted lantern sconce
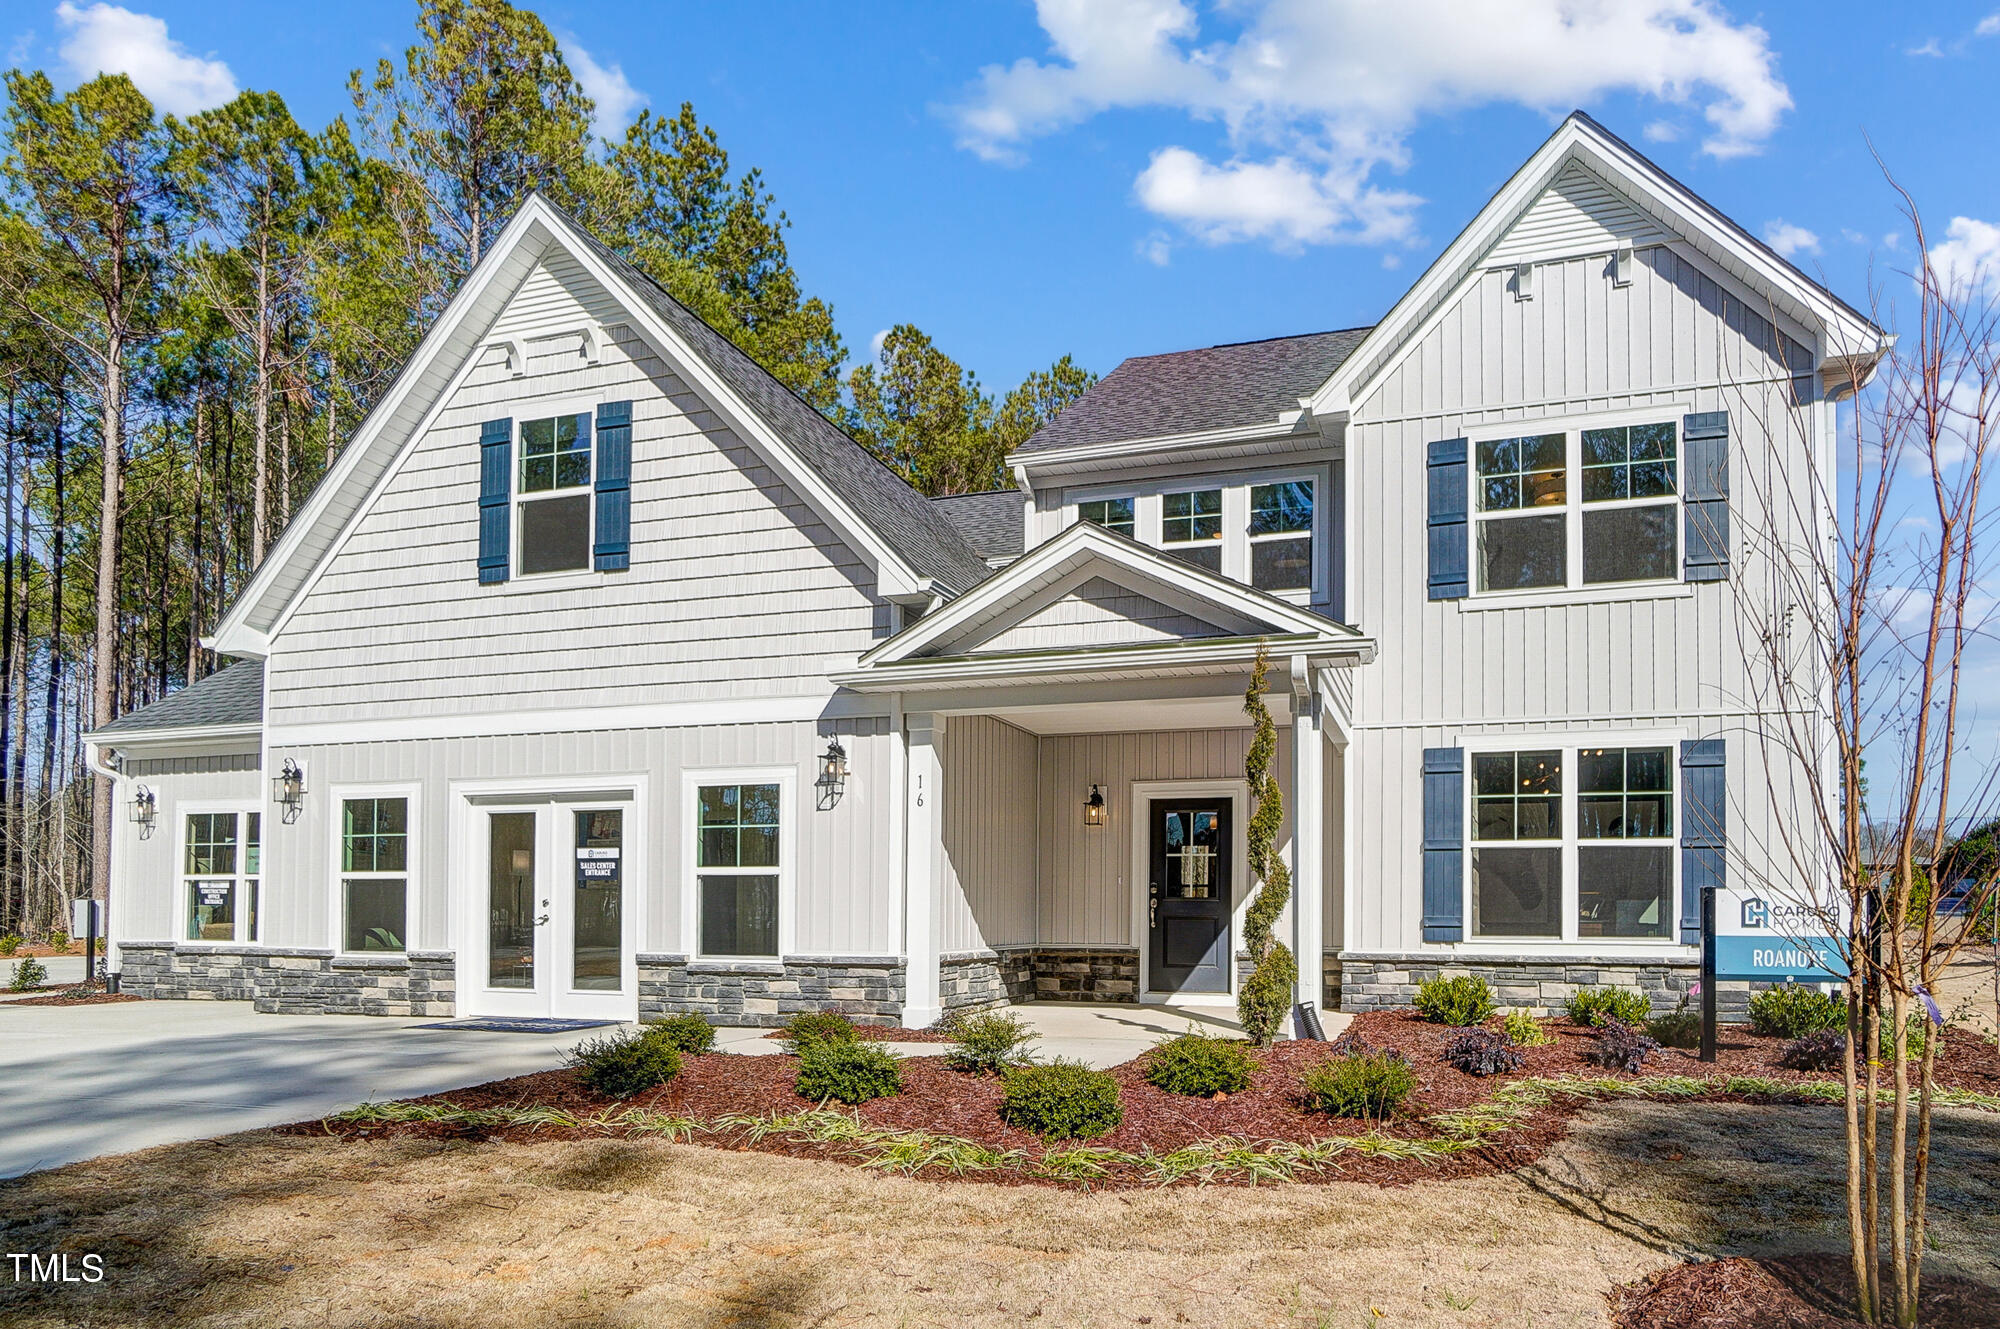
[1093,807]
[144,807]
[288,790]
[832,775]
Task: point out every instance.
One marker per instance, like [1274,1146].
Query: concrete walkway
[80,1081]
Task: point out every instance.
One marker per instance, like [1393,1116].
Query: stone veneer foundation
[1376,982]
[866,989]
[292,982]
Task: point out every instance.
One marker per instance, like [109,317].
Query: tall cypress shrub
[1266,994]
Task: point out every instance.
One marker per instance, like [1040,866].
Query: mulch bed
[68,996]
[1793,1292]
[942,1101]
[887,1033]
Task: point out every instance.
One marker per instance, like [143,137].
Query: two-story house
[601,677]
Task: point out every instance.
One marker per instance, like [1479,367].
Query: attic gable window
[554,494]
[1191,527]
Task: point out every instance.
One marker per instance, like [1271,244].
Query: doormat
[501,1024]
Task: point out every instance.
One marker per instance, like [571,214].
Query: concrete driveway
[80,1081]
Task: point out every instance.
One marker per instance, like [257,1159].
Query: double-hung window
[221,871]
[1191,527]
[1573,844]
[374,874]
[553,493]
[1584,507]
[737,853]
[1281,544]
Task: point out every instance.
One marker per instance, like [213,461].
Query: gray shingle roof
[1185,392]
[904,519]
[992,523]
[233,694]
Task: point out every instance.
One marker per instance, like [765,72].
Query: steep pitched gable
[912,549]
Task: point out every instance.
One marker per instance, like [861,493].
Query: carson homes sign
[1772,940]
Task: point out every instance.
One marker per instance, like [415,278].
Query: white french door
[555,886]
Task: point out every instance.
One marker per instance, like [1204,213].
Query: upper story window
[1113,514]
[554,494]
[1281,523]
[1578,508]
[1191,527]
[1264,532]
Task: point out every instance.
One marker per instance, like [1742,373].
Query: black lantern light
[288,789]
[832,774]
[1093,807]
[144,807]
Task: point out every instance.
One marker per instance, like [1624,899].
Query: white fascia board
[893,576]
[1096,662]
[1581,140]
[148,742]
[1287,426]
[1093,542]
[234,635]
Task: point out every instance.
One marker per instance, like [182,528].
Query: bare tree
[1857,634]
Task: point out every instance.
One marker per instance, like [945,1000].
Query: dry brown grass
[261,1229]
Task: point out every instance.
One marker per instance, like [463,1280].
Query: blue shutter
[1444,844]
[1448,530]
[1705,495]
[496,465]
[613,551]
[1704,828]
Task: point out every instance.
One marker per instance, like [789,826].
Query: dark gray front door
[1189,896]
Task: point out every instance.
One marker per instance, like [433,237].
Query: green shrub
[10,943]
[1199,1066]
[809,1027]
[1371,1083]
[1592,1006]
[1917,1032]
[852,1072]
[688,1034]
[1793,1012]
[624,1063]
[59,942]
[989,1041]
[1064,1100]
[1465,1000]
[1679,1028]
[29,974]
[1526,1030]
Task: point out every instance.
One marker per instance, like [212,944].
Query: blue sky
[1115,177]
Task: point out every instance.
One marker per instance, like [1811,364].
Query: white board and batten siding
[736,588]
[1673,340]
[146,892]
[985,856]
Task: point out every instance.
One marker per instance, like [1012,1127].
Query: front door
[1189,896]
[559,930]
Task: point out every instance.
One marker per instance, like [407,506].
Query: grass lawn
[276,1229]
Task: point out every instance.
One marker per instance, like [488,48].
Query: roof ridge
[1251,341]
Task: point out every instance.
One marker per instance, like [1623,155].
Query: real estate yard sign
[1767,938]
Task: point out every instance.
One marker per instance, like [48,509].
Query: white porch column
[1308,839]
[923,786]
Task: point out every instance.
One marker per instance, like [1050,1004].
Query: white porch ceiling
[1136,715]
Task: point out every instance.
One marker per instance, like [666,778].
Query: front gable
[1097,612]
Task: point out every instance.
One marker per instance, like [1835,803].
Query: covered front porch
[1076,807]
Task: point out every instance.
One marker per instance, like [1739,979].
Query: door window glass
[511,913]
[597,920]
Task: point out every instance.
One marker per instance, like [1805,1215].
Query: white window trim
[412,860]
[239,807]
[1148,514]
[786,778]
[516,499]
[1570,941]
[1575,590]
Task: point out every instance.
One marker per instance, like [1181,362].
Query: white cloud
[1930,48]
[1852,236]
[1988,26]
[1790,240]
[1969,255]
[614,94]
[1316,96]
[876,343]
[1157,248]
[104,39]
[1662,131]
